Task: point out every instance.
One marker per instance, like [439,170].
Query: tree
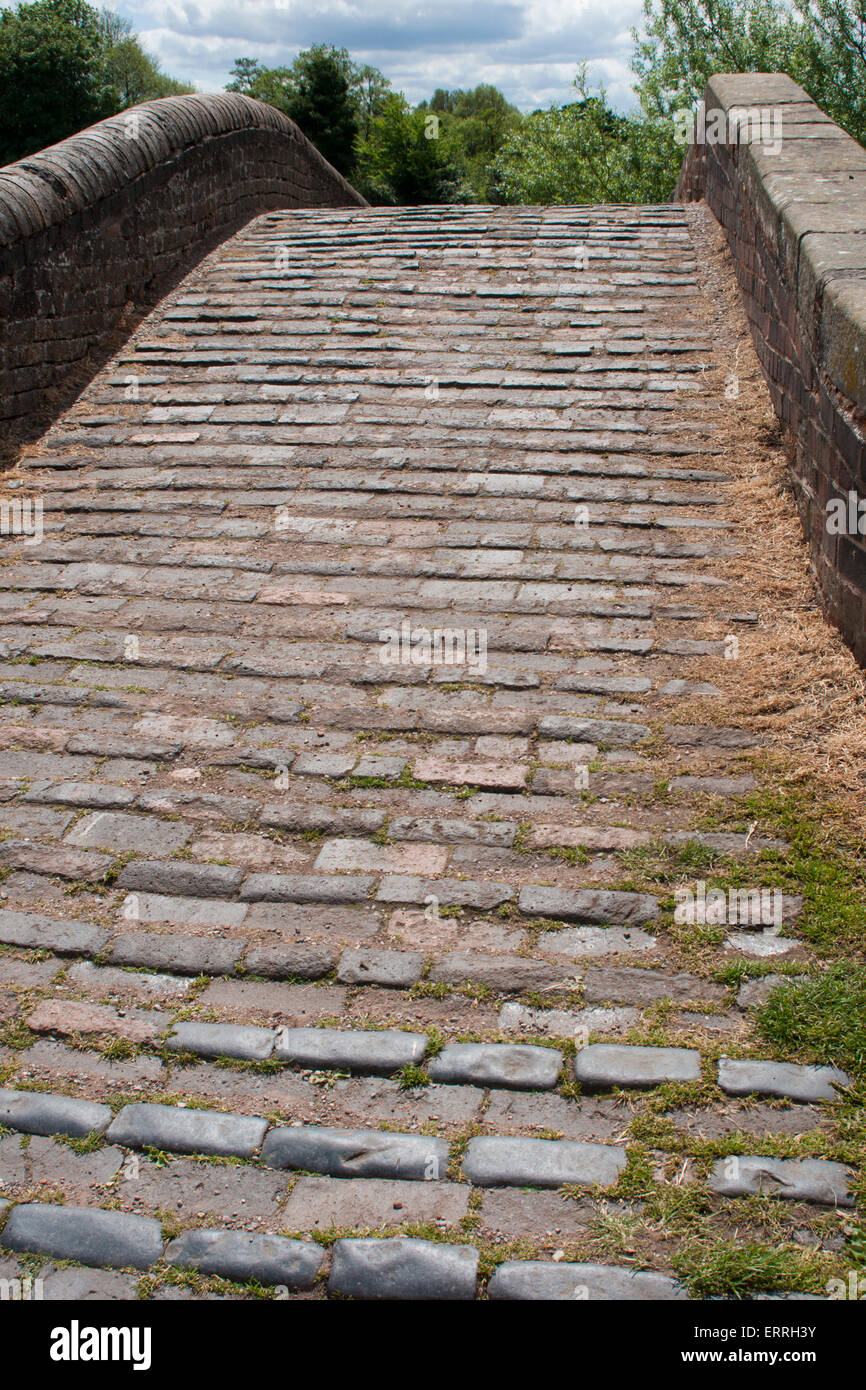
[402,162]
[586,153]
[51,77]
[475,125]
[320,101]
[332,99]
[130,73]
[819,43]
[64,66]
[245,74]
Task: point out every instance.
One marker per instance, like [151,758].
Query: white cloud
[528,48]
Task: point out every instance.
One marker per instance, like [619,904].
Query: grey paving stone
[181,877]
[450,892]
[753,993]
[795,1179]
[496,1161]
[210,913]
[307,888]
[578,942]
[356,1153]
[597,905]
[350,1050]
[88,1285]
[85,1234]
[615,1064]
[635,986]
[404,1269]
[515,1067]
[399,969]
[104,980]
[743,1077]
[559,1023]
[285,961]
[169,1127]
[51,933]
[121,831]
[372,1203]
[244,1255]
[187,955]
[539,1280]
[505,974]
[222,1040]
[98,795]
[39,1112]
[224,1192]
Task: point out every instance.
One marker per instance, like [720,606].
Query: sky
[530,49]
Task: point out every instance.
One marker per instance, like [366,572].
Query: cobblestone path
[367,667]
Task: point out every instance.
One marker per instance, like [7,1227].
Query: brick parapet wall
[795,221]
[103,221]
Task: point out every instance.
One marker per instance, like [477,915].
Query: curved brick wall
[104,220]
[790,193]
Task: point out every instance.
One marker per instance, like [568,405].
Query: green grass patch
[821,1019]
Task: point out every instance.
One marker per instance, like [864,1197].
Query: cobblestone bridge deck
[252,812]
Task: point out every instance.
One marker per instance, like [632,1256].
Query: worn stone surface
[372,1203]
[498,1064]
[244,1256]
[533,1280]
[85,1234]
[405,1269]
[320,860]
[742,1077]
[384,1051]
[36,1112]
[186,1131]
[356,1153]
[222,1040]
[190,955]
[393,968]
[499,1162]
[601,1065]
[795,1179]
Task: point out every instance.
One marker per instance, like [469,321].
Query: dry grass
[795,680]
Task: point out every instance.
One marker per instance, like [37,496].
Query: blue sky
[528,48]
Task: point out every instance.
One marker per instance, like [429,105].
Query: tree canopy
[63,66]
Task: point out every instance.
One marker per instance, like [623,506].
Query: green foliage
[402,162]
[51,81]
[819,43]
[739,1269]
[473,125]
[587,153]
[130,73]
[64,66]
[333,99]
